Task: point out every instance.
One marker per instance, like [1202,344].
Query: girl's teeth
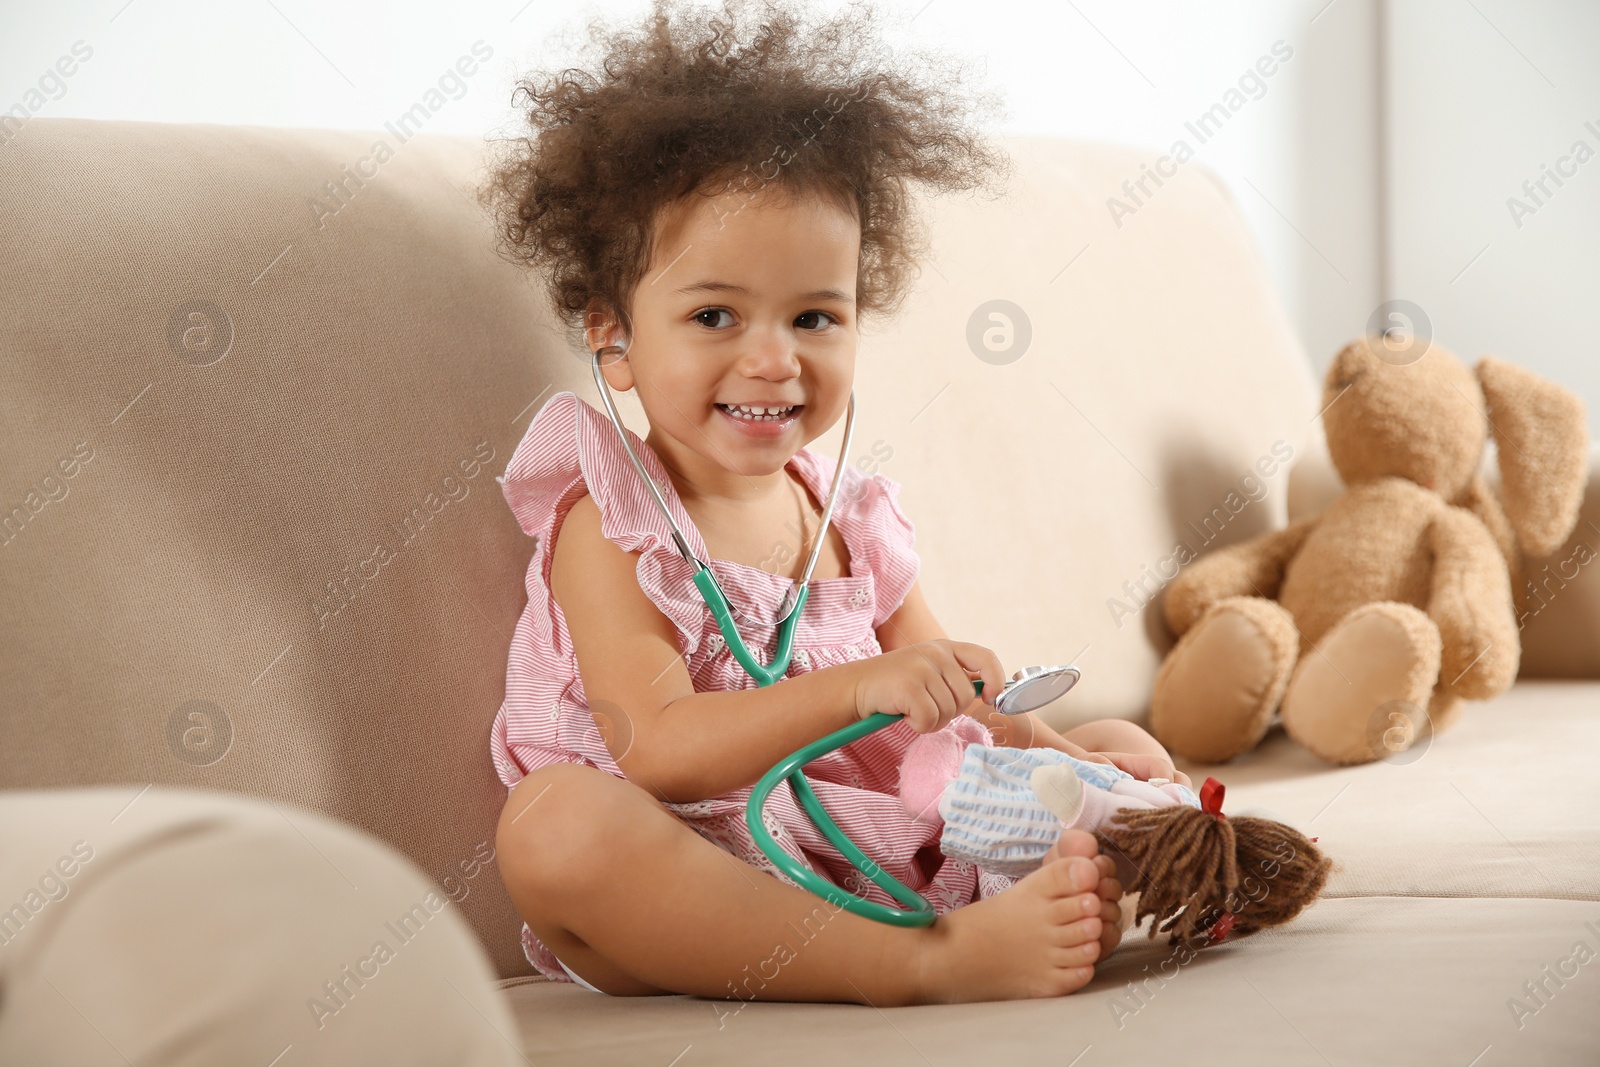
[758,414]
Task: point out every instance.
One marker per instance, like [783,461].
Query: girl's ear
[603,334]
[617,369]
[1542,437]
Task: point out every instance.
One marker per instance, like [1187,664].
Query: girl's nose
[771,354]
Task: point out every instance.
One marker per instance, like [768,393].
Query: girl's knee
[553,818]
[1115,735]
[1136,735]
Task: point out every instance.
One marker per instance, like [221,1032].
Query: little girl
[721,204]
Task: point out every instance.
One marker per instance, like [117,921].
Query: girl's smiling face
[747,303]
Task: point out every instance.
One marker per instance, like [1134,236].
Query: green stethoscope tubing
[917,911]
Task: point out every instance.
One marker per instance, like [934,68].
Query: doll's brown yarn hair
[1194,867]
[749,97]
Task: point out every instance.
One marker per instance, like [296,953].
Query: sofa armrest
[213,901]
[1561,624]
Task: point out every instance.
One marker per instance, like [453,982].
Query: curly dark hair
[697,103]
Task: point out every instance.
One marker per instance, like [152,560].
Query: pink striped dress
[570,449]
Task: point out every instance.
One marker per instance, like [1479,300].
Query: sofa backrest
[258,383]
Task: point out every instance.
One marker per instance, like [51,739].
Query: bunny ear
[1542,437]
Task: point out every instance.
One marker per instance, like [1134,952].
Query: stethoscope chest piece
[1034,687]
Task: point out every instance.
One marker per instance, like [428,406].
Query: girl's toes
[1110,884]
[1073,843]
[1110,937]
[1108,933]
[1072,876]
[1085,936]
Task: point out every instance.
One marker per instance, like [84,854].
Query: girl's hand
[929,683]
[1143,767]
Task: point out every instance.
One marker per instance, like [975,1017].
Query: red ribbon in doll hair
[1211,794]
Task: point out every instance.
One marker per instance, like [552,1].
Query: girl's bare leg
[1119,735]
[639,904]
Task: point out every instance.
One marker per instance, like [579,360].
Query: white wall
[1300,160]
[1485,96]
[1480,94]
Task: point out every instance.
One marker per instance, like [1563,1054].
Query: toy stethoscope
[1029,688]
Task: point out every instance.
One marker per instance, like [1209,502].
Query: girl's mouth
[761,421]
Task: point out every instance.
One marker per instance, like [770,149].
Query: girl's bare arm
[913,622]
[679,745]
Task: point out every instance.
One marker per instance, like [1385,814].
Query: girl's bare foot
[1040,938]
[1110,889]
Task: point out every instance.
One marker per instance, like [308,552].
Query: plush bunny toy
[1369,623]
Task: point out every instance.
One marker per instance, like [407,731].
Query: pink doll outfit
[570,449]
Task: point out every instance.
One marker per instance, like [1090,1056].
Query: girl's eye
[699,315]
[824,314]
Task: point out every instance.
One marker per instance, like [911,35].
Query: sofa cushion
[1503,803]
[1151,414]
[1373,980]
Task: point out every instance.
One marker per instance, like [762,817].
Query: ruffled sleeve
[880,536]
[895,564]
[570,448]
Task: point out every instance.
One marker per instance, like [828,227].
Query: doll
[1197,872]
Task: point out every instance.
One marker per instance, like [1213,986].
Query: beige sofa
[283,372]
